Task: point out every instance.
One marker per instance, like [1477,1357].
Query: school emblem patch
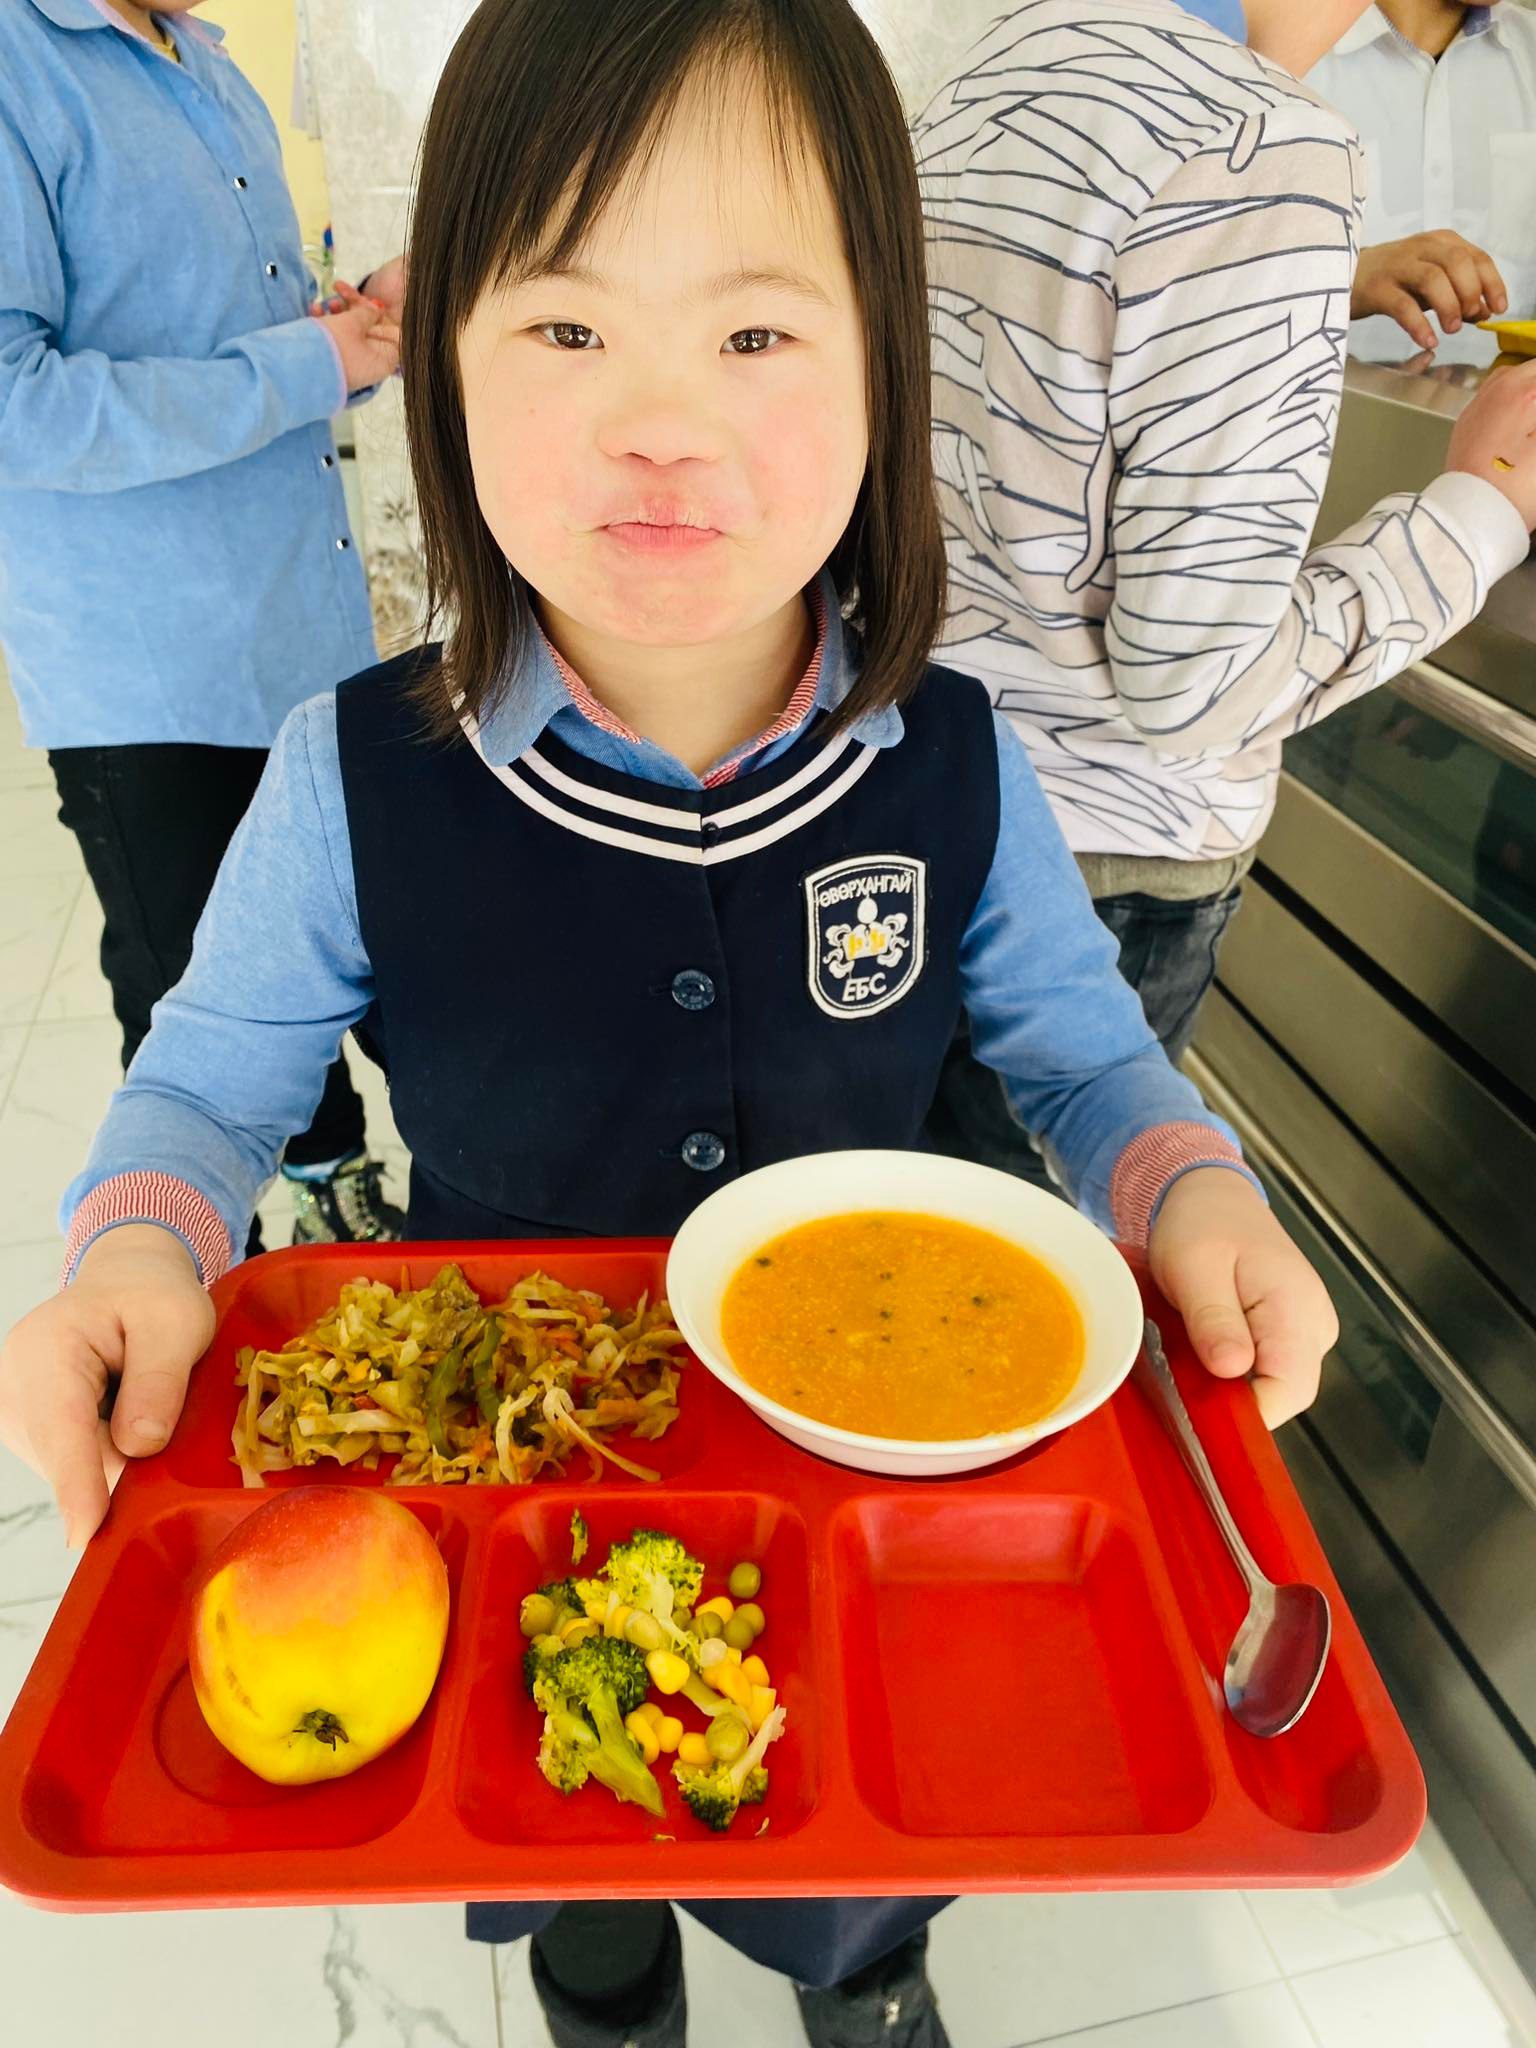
[866,924]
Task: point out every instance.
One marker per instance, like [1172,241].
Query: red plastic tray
[1009,1682]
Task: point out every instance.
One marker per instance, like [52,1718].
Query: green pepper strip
[440,1388]
[481,1365]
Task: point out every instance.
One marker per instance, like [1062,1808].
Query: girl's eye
[753,341]
[569,335]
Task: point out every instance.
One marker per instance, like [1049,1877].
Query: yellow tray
[1516,337]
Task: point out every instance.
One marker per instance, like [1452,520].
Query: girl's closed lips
[653,536]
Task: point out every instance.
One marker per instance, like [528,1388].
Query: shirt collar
[1373,25]
[544,685]
[88,14]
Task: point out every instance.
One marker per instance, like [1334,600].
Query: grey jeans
[1168,955]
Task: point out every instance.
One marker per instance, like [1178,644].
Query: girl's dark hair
[543,107]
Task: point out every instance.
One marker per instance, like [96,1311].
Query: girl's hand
[135,1312]
[1495,438]
[367,341]
[1250,1301]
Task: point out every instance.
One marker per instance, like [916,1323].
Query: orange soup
[903,1326]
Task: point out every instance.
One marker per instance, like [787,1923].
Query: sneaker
[655,2017]
[888,2005]
[344,1206]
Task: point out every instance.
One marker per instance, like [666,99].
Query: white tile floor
[1402,1963]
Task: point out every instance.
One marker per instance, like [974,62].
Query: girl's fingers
[66,1438]
[159,1353]
[1204,1291]
[1289,1357]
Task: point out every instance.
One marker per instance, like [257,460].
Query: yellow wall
[260,36]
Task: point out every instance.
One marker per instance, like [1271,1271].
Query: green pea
[739,1634]
[753,1616]
[707,1626]
[726,1738]
[745,1582]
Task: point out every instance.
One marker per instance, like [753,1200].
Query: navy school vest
[597,998]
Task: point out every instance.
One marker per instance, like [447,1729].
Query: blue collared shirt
[175,558]
[238,1052]
[1227,15]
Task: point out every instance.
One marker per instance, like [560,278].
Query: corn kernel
[652,1713]
[669,1734]
[693,1749]
[763,1701]
[579,1630]
[669,1673]
[719,1605]
[597,1610]
[733,1685]
[644,1736]
[735,1656]
[755,1669]
[613,1621]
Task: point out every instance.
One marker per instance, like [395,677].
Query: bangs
[549,112]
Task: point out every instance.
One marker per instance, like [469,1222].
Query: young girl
[574,873]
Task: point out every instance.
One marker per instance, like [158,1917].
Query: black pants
[153,823]
[1167,954]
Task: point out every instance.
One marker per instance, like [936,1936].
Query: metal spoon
[1277,1657]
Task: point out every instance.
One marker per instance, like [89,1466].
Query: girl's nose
[660,430]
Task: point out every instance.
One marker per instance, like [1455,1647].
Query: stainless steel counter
[1393,434]
[1373,1035]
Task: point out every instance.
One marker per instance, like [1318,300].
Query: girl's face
[669,437]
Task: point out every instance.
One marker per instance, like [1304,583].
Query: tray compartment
[271,1299]
[126,1764]
[1089,1732]
[498,1793]
[1321,1777]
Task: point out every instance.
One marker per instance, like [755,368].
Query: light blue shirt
[1227,15]
[238,1052]
[1450,142]
[175,558]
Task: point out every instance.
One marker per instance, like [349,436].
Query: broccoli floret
[565,1593]
[598,1681]
[657,1574]
[712,1796]
[563,1762]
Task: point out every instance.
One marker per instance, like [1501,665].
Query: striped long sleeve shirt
[1142,240]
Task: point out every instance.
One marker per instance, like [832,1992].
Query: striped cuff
[160,1198]
[1149,1165]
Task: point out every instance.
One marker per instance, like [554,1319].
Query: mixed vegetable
[598,1645]
[459,1392]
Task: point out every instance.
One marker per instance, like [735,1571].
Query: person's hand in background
[386,287]
[1495,438]
[367,340]
[1440,273]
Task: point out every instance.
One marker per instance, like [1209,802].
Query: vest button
[692,989]
[703,1151]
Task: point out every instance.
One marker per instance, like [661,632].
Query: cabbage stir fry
[462,1393]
